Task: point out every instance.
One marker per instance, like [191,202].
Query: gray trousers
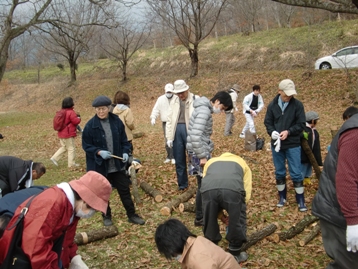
[335,244]
[230,120]
[168,149]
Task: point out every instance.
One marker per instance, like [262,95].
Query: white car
[344,58]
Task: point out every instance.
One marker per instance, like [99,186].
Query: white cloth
[69,194]
[276,136]
[152,121]
[352,238]
[170,143]
[77,263]
[161,108]
[250,124]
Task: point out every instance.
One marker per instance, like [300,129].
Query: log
[187,207]
[306,148]
[135,192]
[138,134]
[313,233]
[167,209]
[158,197]
[95,235]
[294,230]
[255,237]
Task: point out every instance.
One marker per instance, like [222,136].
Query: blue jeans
[293,157]
[179,152]
[306,169]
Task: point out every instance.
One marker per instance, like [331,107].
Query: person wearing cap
[104,140]
[284,121]
[230,117]
[161,108]
[177,126]
[17,174]
[335,202]
[253,104]
[52,218]
[312,136]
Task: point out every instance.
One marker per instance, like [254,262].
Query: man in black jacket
[17,174]
[284,121]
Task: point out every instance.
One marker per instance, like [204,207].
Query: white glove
[254,114]
[170,143]
[236,109]
[152,121]
[275,135]
[352,238]
[77,263]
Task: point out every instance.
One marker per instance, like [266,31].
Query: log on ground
[296,229]
[158,197]
[313,233]
[95,235]
[138,134]
[187,207]
[257,236]
[167,209]
[135,192]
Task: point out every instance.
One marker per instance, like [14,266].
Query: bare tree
[343,6]
[74,27]
[123,42]
[191,20]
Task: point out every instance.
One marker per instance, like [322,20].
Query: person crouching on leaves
[175,241]
[104,137]
[52,218]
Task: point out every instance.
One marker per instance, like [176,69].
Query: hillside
[263,58]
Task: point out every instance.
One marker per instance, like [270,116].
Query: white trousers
[250,125]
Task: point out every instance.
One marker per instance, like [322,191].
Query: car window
[345,52]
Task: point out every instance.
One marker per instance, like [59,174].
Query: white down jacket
[201,128]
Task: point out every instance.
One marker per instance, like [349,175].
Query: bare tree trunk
[72,70]
[124,71]
[4,55]
[194,57]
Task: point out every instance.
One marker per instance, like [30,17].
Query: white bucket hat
[180,86]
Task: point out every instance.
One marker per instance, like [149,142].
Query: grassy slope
[29,109]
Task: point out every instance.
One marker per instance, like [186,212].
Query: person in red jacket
[67,135]
[53,216]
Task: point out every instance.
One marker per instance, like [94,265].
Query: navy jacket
[10,202]
[94,140]
[292,119]
[14,172]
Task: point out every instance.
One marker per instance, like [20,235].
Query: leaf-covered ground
[27,126]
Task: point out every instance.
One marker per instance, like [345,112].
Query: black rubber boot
[282,192]
[300,198]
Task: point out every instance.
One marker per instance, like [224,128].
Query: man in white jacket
[161,108]
[179,114]
[252,105]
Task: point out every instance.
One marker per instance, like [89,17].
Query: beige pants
[67,144]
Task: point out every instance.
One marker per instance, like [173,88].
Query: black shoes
[136,219]
[199,222]
[107,221]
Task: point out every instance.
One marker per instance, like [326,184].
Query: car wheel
[325,65]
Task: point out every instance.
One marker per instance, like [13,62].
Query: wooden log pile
[167,209]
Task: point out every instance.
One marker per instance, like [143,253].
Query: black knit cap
[101,101]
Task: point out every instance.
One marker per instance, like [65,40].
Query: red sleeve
[347,175]
[74,119]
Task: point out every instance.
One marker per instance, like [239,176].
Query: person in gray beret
[103,138]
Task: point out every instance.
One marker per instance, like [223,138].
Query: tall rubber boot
[282,192]
[300,198]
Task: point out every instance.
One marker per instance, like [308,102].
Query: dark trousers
[335,244]
[120,181]
[179,151]
[168,149]
[198,200]
[234,204]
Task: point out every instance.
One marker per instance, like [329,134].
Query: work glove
[275,135]
[305,135]
[105,154]
[254,114]
[77,263]
[236,109]
[352,238]
[125,157]
[170,143]
[152,121]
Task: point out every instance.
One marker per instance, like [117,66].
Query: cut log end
[158,198]
[165,211]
